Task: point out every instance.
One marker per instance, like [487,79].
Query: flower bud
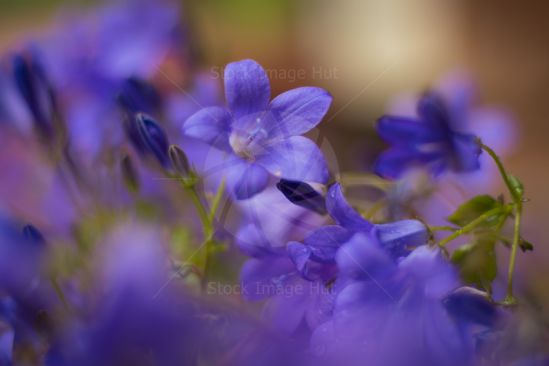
[153,138]
[35,92]
[302,194]
[33,235]
[471,305]
[138,95]
[179,161]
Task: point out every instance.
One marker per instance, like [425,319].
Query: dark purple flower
[262,137]
[434,140]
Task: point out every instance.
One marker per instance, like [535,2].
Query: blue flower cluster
[145,191]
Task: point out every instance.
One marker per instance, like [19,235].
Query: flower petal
[400,237]
[299,254]
[404,131]
[471,305]
[362,258]
[295,158]
[393,163]
[246,179]
[211,125]
[467,152]
[299,110]
[247,88]
[325,241]
[340,210]
[433,111]
[252,241]
[265,277]
[286,310]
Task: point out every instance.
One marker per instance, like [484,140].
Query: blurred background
[367,51]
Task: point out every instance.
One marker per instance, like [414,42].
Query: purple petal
[246,179]
[299,254]
[324,242]
[295,158]
[247,88]
[340,210]
[287,309]
[428,267]
[472,306]
[262,278]
[432,110]
[211,125]
[400,237]
[406,131]
[252,241]
[393,163]
[299,110]
[467,152]
[362,257]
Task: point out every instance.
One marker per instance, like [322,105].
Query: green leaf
[473,208]
[477,262]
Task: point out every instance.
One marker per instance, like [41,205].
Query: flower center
[246,138]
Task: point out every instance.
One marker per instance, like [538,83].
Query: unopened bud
[153,138]
[302,194]
[179,161]
[33,235]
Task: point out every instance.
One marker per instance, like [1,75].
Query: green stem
[471,226]
[510,299]
[443,228]
[501,169]
[207,218]
[517,196]
[200,209]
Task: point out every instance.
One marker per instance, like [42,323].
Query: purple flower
[393,313]
[435,140]
[305,276]
[493,124]
[398,238]
[262,137]
[94,57]
[136,312]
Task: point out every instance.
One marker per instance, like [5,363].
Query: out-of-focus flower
[136,315]
[492,124]
[393,313]
[114,50]
[152,138]
[434,140]
[262,137]
[27,298]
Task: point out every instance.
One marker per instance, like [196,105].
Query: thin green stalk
[471,226]
[501,169]
[510,298]
[517,195]
[443,228]
[207,218]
